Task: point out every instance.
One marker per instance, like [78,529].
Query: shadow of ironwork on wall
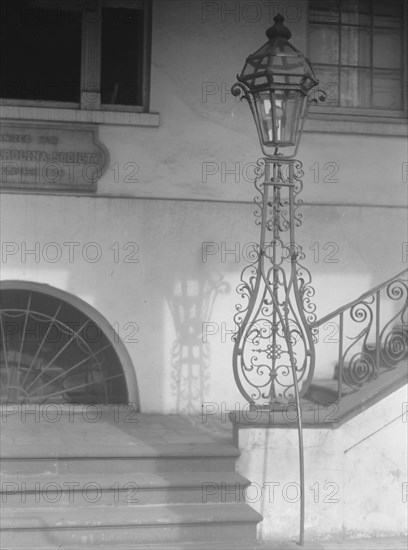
[191,306]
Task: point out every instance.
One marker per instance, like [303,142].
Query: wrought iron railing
[371,334]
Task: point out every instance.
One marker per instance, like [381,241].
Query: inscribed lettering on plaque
[50,157]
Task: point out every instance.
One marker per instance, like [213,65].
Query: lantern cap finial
[278,29]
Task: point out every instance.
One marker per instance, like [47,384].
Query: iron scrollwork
[382,343]
[274,348]
[394,335]
[373,334]
[360,362]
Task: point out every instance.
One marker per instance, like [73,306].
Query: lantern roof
[278,64]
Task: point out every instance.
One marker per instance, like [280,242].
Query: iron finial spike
[278,29]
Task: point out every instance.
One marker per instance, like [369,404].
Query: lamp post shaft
[274,348]
[274,352]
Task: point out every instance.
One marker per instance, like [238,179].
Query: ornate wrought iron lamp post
[274,351]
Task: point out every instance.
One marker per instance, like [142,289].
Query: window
[57,349]
[88,55]
[30,68]
[122,49]
[357,50]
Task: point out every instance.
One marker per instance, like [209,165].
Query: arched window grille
[54,352]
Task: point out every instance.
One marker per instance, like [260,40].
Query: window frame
[90,67]
[367,113]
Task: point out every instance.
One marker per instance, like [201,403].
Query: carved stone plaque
[50,157]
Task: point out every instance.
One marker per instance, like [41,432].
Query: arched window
[55,348]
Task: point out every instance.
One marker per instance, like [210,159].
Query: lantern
[276,81]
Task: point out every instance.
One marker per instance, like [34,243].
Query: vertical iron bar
[293,261]
[339,58]
[265,209]
[340,374]
[5,351]
[301,462]
[377,333]
[372,56]
[276,215]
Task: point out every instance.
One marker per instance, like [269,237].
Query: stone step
[96,450]
[212,545]
[107,466]
[144,459]
[121,489]
[122,526]
[325,391]
[158,481]
[276,544]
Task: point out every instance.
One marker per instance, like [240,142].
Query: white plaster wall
[182,300]
[191,51]
[356,475]
[195,59]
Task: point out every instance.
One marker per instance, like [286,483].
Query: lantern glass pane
[263,104]
[280,116]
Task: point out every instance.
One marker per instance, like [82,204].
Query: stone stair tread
[226,545]
[231,545]
[143,480]
[130,515]
[399,543]
[167,458]
[215,545]
[221,545]
[331,384]
[99,450]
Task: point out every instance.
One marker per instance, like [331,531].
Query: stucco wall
[356,475]
[176,283]
[203,135]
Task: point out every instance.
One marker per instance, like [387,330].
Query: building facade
[127,186]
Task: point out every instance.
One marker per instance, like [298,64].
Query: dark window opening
[122,56]
[40,52]
[59,50]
